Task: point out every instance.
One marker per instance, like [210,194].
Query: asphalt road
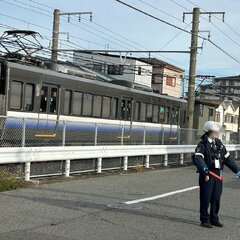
[76,210]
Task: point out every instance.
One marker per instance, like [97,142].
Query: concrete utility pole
[193,64]
[55,33]
[192,68]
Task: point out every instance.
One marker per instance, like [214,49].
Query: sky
[118,27]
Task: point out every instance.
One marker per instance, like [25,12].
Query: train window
[53,100]
[97,106]
[77,103]
[44,96]
[184,116]
[174,115]
[143,112]
[167,115]
[16,95]
[2,78]
[67,102]
[155,113]
[114,108]
[149,112]
[106,107]
[161,114]
[87,104]
[136,111]
[29,97]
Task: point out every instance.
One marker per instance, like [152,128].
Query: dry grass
[10,181]
[139,167]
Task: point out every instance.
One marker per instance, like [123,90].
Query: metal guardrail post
[67,168]
[125,163]
[96,134]
[144,135]
[64,133]
[181,158]
[165,160]
[147,161]
[122,135]
[163,135]
[24,132]
[99,165]
[27,171]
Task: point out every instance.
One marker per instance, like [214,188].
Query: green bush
[9,181]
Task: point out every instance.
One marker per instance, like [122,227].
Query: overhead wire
[179,28]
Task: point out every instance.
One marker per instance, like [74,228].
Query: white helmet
[212,126]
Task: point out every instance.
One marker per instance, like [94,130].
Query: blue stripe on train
[77,126]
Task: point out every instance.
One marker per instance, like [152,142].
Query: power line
[179,28]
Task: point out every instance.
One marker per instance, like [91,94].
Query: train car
[47,99]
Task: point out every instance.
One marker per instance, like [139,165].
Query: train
[47,99]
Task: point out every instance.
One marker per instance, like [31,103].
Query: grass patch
[10,181]
[139,167]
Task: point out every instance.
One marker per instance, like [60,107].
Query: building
[204,111]
[150,73]
[123,70]
[166,78]
[225,112]
[224,88]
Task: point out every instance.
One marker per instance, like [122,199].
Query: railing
[26,132]
[100,156]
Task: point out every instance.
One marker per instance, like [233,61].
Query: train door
[126,109]
[49,99]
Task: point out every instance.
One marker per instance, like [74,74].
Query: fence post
[64,133]
[163,135]
[125,163]
[67,168]
[27,171]
[236,155]
[165,160]
[24,132]
[181,158]
[99,165]
[96,134]
[179,136]
[122,134]
[147,161]
[144,135]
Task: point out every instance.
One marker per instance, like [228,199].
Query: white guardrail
[28,155]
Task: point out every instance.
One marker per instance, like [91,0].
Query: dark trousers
[210,194]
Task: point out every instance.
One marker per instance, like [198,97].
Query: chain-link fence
[26,132]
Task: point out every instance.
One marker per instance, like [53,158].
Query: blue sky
[137,30]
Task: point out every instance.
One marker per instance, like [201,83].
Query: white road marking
[161,195]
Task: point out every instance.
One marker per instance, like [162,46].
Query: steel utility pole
[55,33]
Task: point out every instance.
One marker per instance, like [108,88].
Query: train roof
[87,80]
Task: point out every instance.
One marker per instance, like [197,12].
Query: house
[123,70]
[204,111]
[166,78]
[225,88]
[225,112]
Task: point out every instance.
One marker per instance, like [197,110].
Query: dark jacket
[206,153]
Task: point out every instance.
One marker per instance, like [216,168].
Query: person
[211,155]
